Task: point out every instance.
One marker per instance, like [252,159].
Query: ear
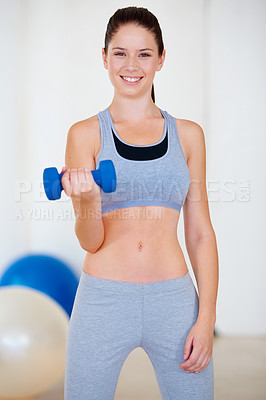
[104,59]
[161,61]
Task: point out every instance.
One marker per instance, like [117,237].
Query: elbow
[89,249]
[195,237]
[193,241]
[93,248]
[90,242]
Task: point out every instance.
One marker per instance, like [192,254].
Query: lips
[126,76]
[131,83]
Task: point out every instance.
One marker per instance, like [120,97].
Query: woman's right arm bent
[79,184]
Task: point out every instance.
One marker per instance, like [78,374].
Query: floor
[239,373]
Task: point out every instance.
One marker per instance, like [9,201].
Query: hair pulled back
[141,17]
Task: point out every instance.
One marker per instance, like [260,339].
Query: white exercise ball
[33,331]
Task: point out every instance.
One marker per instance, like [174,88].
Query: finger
[187,348]
[74,183]
[88,175]
[192,359]
[90,180]
[65,181]
[63,170]
[92,186]
[203,365]
[197,363]
[188,351]
[82,180]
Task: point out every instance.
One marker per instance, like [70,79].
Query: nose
[131,64]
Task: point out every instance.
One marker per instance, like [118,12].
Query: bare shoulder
[82,142]
[190,134]
[86,129]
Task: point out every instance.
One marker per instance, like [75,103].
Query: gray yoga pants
[111,318]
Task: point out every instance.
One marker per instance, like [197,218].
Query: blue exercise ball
[46,274]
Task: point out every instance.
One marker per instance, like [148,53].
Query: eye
[142,54]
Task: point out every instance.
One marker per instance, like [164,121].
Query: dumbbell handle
[104,176]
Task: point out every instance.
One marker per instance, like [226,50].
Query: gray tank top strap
[106,135]
[176,148]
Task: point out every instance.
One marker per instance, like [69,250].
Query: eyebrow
[121,48]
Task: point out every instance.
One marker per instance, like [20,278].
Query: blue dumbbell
[104,176]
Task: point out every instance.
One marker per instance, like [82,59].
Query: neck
[133,110]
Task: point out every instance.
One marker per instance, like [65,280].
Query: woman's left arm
[201,245]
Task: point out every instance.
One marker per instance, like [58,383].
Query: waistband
[134,287]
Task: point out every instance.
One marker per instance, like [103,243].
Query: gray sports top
[147,175]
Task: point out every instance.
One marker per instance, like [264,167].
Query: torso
[140,243]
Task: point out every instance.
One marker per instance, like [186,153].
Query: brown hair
[141,17]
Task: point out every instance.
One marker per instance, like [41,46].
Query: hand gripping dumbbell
[104,176]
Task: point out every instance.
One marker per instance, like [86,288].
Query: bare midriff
[140,243]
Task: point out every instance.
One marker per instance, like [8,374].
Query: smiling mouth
[130,80]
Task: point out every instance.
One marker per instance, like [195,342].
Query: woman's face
[126,57]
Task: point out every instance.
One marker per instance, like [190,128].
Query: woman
[135,289]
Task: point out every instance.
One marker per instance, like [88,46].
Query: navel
[140,246]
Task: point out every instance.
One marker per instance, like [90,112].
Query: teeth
[131,79]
